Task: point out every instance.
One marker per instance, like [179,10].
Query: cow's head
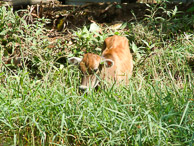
[90,66]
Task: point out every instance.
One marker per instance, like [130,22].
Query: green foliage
[156,108]
[19,37]
[191,9]
[91,38]
[88,40]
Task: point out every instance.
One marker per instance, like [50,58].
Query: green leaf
[4,32]
[174,11]
[123,25]
[134,47]
[2,73]
[118,6]
[190,9]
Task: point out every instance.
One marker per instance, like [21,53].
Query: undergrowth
[41,105]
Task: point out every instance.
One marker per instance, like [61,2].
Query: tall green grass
[156,108]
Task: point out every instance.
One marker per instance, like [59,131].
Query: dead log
[25,2]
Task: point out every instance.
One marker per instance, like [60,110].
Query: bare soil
[78,16]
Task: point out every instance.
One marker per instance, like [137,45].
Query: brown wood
[25,2]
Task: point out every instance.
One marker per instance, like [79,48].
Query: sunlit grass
[156,108]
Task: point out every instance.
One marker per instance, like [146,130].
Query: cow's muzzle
[87,84]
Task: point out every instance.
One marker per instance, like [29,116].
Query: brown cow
[115,64]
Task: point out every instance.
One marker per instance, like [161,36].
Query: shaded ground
[66,17]
[77,16]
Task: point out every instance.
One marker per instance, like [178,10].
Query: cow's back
[117,49]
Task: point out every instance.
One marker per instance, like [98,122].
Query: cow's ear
[74,60]
[108,62]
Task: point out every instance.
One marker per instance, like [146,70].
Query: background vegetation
[41,105]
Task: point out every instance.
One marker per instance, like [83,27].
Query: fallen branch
[25,2]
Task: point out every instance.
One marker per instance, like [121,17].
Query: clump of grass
[141,33]
[24,45]
[156,108]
